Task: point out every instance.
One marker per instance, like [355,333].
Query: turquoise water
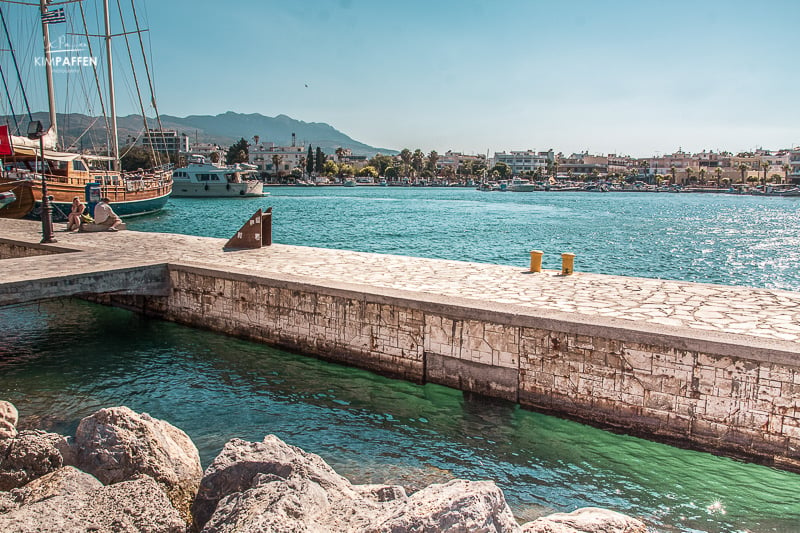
[710,238]
[62,360]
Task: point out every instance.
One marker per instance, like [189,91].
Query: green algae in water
[62,360]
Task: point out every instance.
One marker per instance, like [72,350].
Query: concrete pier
[705,366]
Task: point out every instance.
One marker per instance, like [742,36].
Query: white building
[794,165]
[524,161]
[166,141]
[262,156]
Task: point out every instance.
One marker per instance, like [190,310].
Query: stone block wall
[744,406]
[12,250]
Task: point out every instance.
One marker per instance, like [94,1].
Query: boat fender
[228,186]
[206,186]
[241,193]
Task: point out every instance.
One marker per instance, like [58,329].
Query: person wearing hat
[105,216]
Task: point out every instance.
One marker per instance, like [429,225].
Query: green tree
[417,161]
[689,175]
[310,161]
[330,168]
[433,159]
[135,157]
[381,163]
[502,170]
[346,170]
[368,171]
[765,167]
[743,170]
[277,159]
[238,152]
[672,171]
[319,161]
[214,157]
[392,173]
[786,168]
[405,157]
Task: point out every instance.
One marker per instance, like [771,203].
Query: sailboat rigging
[89,176]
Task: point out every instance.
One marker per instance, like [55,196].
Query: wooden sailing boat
[69,174]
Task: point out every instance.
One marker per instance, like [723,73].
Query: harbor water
[62,360]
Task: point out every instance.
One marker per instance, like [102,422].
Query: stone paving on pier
[743,312]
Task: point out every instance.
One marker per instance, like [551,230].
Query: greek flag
[54,17]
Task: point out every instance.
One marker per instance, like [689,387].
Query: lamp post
[35,131]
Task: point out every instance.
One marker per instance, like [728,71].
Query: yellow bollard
[536,260]
[567,264]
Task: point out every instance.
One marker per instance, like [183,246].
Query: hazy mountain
[224,129]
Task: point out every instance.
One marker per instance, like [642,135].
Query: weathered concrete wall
[14,250]
[710,395]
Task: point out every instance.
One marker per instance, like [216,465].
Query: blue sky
[632,77]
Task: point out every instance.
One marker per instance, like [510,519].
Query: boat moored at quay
[35,159]
[203,179]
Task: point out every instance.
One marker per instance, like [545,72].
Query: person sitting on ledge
[105,216]
[74,217]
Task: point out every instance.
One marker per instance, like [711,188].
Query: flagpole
[48,67]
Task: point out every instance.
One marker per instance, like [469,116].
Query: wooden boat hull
[25,200]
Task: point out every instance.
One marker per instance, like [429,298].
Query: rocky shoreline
[125,471]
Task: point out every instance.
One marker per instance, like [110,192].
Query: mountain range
[82,131]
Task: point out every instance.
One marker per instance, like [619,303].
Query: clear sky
[635,77]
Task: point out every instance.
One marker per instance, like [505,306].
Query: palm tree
[672,171]
[277,159]
[702,176]
[433,158]
[743,169]
[340,154]
[786,168]
[718,173]
[405,157]
[765,166]
[418,160]
[688,175]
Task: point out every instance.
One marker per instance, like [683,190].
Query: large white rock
[31,454]
[66,481]
[8,420]
[139,505]
[118,444]
[271,486]
[459,505]
[586,520]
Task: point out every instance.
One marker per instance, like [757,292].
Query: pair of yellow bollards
[567,262]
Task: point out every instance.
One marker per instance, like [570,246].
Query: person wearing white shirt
[105,216]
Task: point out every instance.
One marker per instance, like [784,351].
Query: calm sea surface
[60,361]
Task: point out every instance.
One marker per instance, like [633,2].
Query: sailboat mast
[114,148]
[48,67]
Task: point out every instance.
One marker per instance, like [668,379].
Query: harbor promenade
[706,366]
[759,318]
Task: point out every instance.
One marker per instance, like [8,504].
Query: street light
[35,131]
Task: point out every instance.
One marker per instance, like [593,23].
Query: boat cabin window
[77,164]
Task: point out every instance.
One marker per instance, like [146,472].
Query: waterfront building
[679,161]
[205,149]
[794,165]
[166,141]
[584,164]
[524,160]
[261,155]
[456,160]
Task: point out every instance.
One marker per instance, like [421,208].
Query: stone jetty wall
[712,395]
